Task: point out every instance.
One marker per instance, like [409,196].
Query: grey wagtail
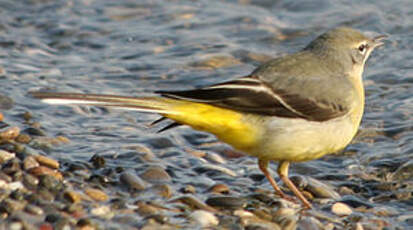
[294,108]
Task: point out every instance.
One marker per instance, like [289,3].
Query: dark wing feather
[251,95]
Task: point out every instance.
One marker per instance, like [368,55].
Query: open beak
[378,41]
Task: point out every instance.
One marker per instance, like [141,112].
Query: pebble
[205,168]
[11,206]
[96,194]
[193,203]
[309,223]
[162,190]
[145,209]
[204,218]
[6,156]
[73,196]
[16,185]
[317,188]
[46,161]
[132,181]
[226,202]
[98,161]
[29,163]
[215,158]
[33,209]
[189,189]
[341,209]
[249,221]
[23,138]
[102,211]
[30,181]
[155,174]
[10,133]
[219,189]
[286,218]
[51,183]
[42,170]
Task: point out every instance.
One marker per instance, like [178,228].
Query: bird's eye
[362,48]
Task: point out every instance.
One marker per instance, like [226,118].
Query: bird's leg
[283,173]
[263,164]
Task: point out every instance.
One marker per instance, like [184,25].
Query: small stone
[62,139]
[23,138]
[1,117]
[309,223]
[27,116]
[73,196]
[11,206]
[132,181]
[42,170]
[35,210]
[29,163]
[10,133]
[34,131]
[215,158]
[316,188]
[145,209]
[220,189]
[50,183]
[16,185]
[96,194]
[163,190]
[155,174]
[30,181]
[189,189]
[205,168]
[286,218]
[97,161]
[102,211]
[45,226]
[46,161]
[226,202]
[12,166]
[6,156]
[341,209]
[193,203]
[204,219]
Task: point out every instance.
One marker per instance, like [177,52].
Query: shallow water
[136,47]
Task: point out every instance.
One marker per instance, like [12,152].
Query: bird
[293,108]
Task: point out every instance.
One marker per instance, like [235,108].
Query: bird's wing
[253,95]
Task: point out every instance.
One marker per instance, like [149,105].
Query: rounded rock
[155,174]
[46,161]
[341,209]
[29,163]
[204,219]
[226,202]
[96,194]
[10,133]
[132,181]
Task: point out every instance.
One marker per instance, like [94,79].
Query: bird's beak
[378,41]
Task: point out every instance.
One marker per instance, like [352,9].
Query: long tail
[227,125]
[143,104]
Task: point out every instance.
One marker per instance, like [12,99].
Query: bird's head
[345,46]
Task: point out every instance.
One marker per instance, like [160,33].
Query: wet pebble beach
[96,168]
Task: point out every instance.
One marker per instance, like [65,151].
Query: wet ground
[91,168]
